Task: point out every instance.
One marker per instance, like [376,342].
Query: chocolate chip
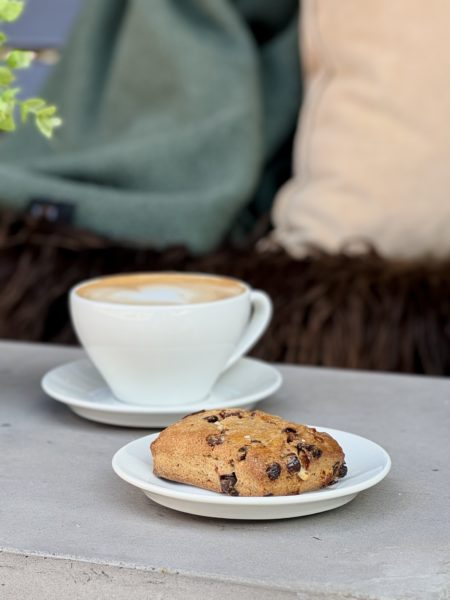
[215,439]
[339,470]
[256,442]
[314,451]
[289,430]
[293,464]
[211,419]
[242,453]
[342,471]
[267,495]
[227,483]
[224,414]
[273,471]
[291,437]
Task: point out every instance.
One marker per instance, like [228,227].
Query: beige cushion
[372,156]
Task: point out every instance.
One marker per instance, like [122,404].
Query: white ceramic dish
[81,387]
[367,465]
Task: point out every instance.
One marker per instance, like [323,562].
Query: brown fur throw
[344,310]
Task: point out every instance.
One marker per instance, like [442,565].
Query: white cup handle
[259,320]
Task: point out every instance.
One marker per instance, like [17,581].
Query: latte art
[167,289]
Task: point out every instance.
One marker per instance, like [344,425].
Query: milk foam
[160,290]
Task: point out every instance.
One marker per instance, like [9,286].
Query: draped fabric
[177,120]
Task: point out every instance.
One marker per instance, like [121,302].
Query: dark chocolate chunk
[291,434]
[342,471]
[314,451]
[211,419]
[273,471]
[215,439]
[227,483]
[293,464]
[230,413]
[339,470]
[243,453]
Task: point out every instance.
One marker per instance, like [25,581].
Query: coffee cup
[164,339]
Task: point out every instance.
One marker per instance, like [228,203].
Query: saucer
[80,386]
[367,465]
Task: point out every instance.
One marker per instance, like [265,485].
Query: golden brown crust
[243,453]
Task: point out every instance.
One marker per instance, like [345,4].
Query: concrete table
[69,528]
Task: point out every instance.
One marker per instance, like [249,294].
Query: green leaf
[32,105]
[45,116]
[46,120]
[19,59]
[7,123]
[10,10]
[46,124]
[10,94]
[7,116]
[46,112]
[7,102]
[6,76]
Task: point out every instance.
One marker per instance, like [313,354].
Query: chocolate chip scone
[242,453]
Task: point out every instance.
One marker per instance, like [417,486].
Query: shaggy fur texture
[344,310]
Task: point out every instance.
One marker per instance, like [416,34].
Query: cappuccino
[165,338]
[161,289]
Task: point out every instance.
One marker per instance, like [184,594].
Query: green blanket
[176,115]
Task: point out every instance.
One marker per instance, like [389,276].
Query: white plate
[80,386]
[367,464]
